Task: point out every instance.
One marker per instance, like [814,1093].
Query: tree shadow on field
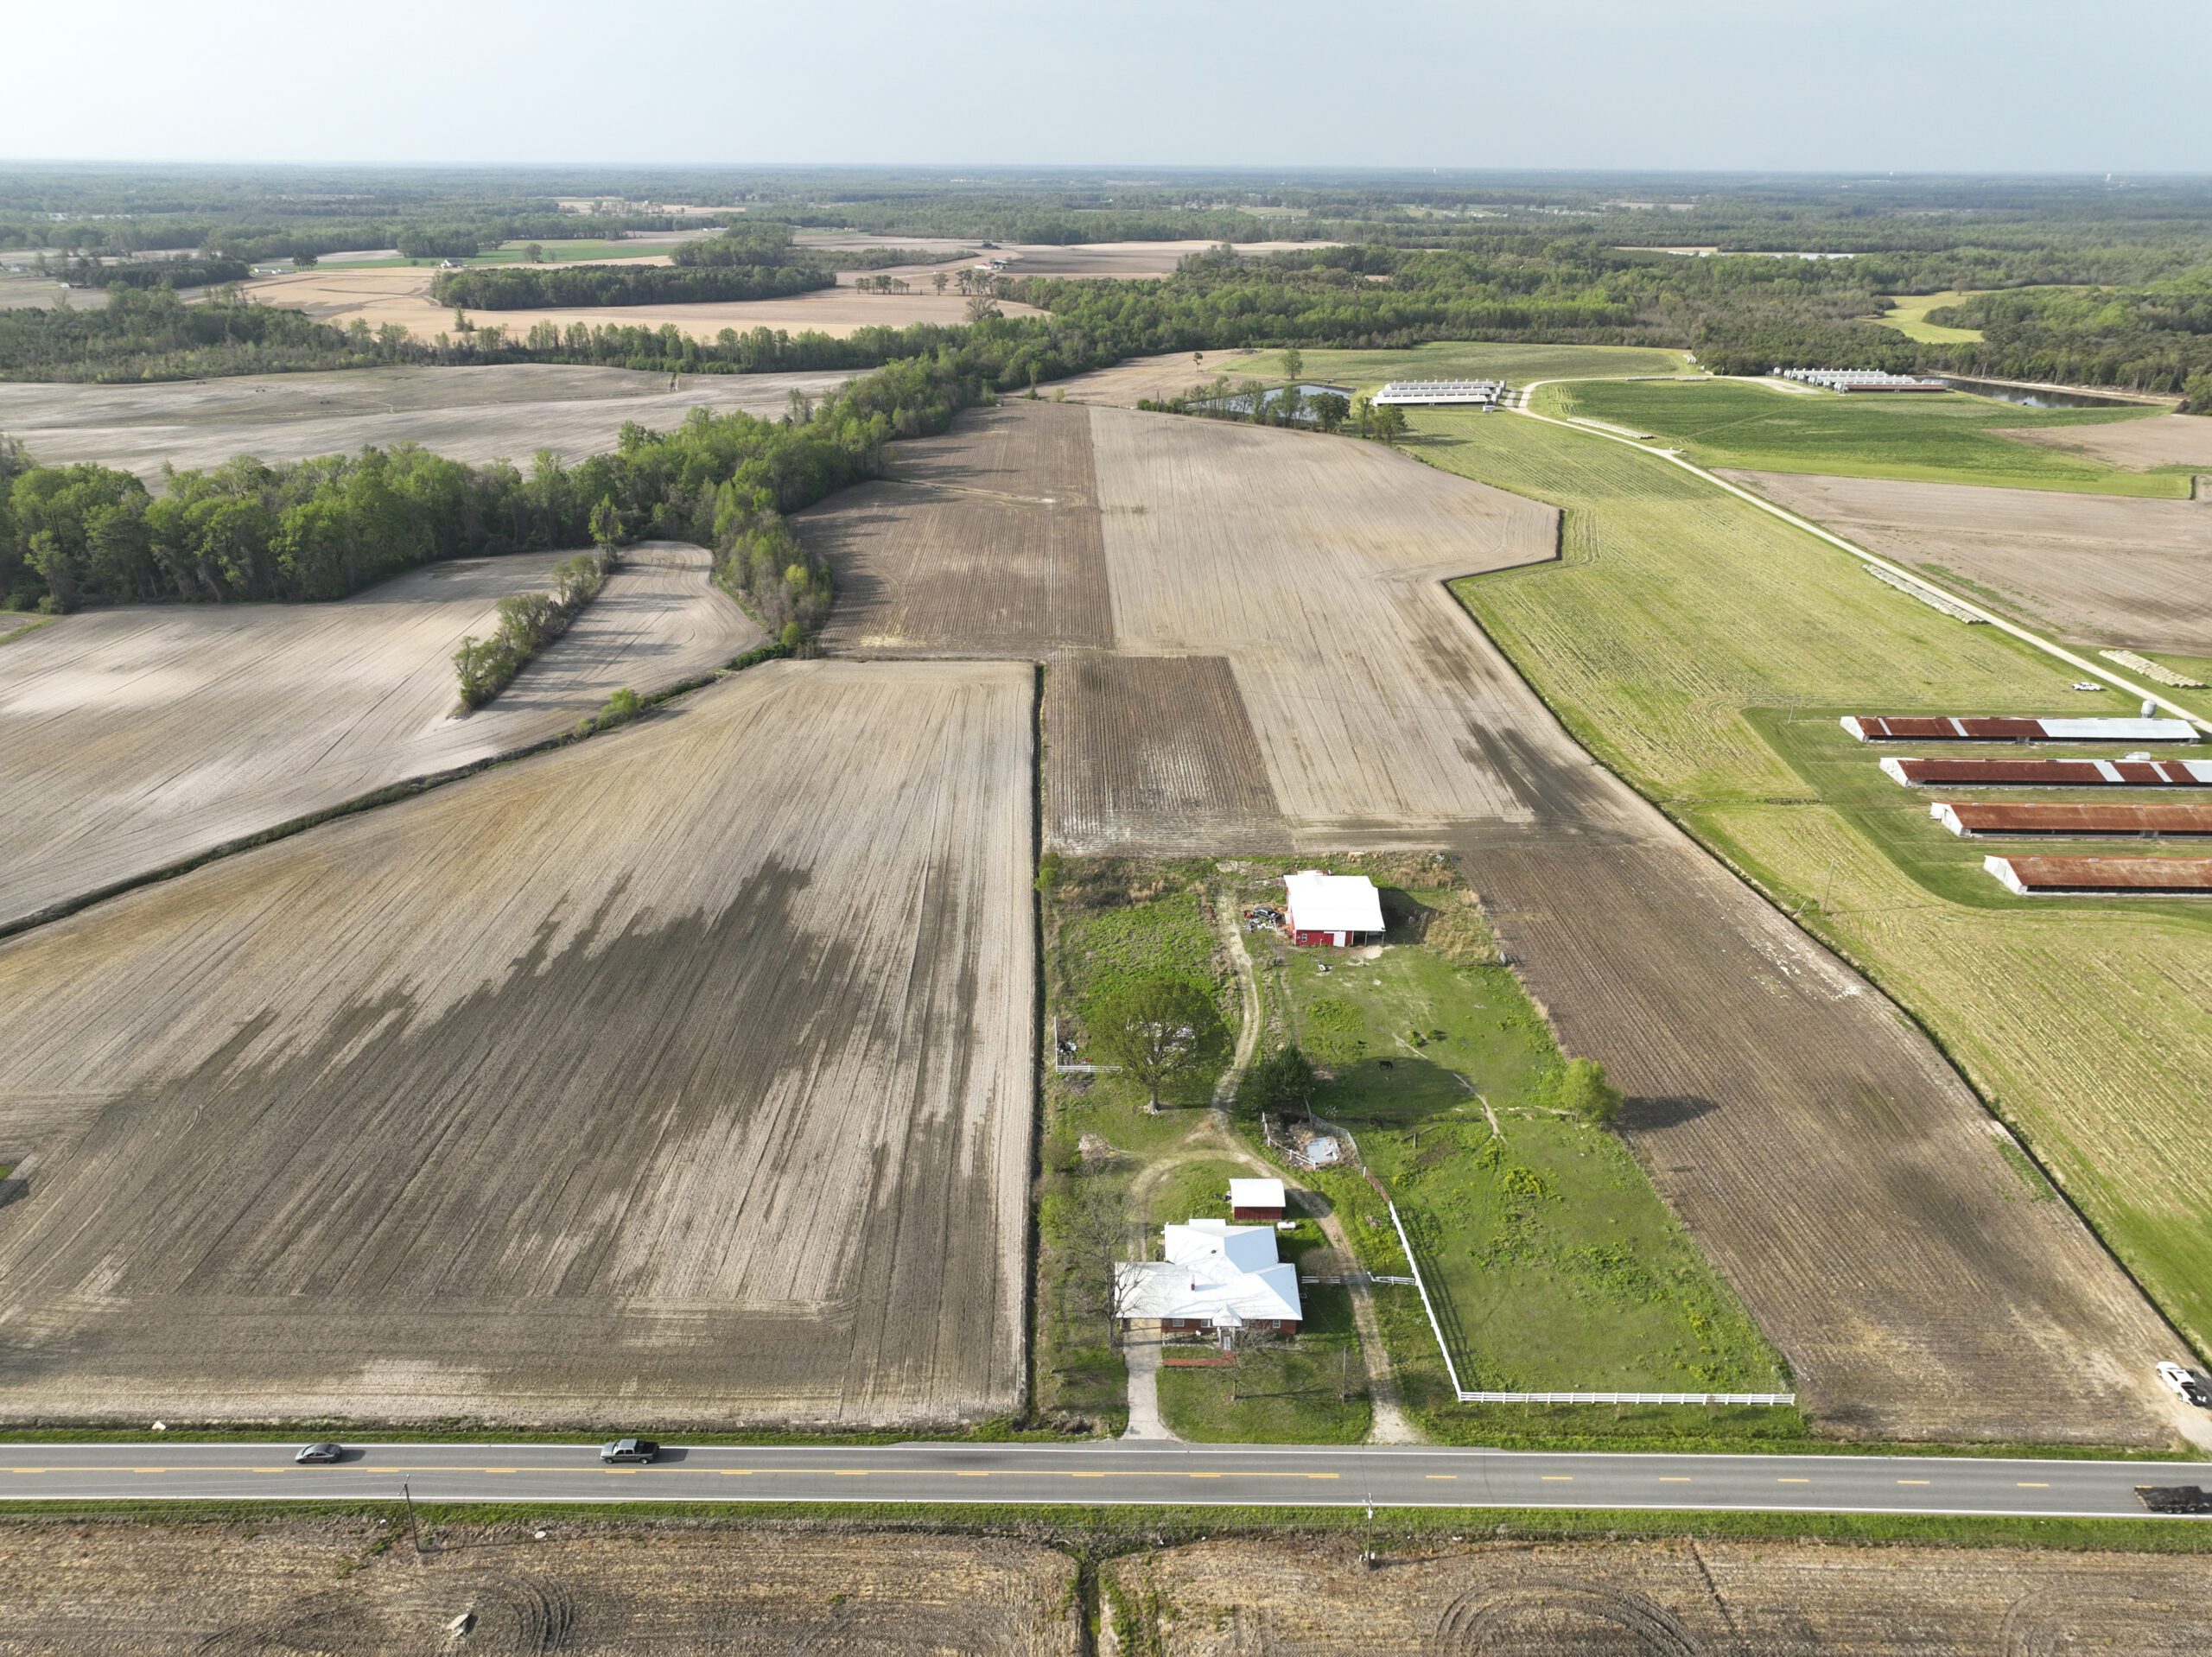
[1670,1110]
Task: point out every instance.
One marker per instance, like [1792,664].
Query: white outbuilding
[1332,909]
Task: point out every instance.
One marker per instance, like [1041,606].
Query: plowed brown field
[984,540]
[505,412]
[2101,568]
[340,296]
[1664,1599]
[140,737]
[338,1588]
[2161,439]
[690,1064]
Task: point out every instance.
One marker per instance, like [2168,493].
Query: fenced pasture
[689,1064]
[144,735]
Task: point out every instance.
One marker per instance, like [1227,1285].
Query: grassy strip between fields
[1104,1531]
[1908,314]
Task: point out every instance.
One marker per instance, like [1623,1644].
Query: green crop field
[1553,1262]
[1702,648]
[1460,359]
[1908,314]
[1941,437]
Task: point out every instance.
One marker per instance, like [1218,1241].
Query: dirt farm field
[2103,569]
[509,411]
[341,1588]
[341,297]
[689,1063]
[2161,439]
[144,735]
[1156,377]
[1763,1069]
[1659,1599]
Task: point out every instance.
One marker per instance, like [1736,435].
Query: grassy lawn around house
[1553,1263]
[1945,438]
[1312,1390]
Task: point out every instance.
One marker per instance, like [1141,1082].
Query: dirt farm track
[1249,645]
[140,736]
[690,1063]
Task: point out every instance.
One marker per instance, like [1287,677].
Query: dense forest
[524,288]
[321,529]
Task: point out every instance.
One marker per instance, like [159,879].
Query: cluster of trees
[528,623]
[745,243]
[521,288]
[2151,339]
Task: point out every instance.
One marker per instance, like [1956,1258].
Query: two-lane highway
[1095,1474]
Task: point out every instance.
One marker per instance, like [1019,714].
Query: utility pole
[406,1495]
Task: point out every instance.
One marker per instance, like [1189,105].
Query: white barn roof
[1333,903]
[1215,1272]
[1256,1194]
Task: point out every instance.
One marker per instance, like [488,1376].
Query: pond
[2036,397]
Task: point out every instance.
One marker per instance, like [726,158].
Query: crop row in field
[1676,614]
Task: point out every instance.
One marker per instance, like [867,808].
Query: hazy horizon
[1859,86]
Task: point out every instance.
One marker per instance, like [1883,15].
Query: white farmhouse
[1218,1278]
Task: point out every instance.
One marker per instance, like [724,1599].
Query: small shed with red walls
[1255,1199]
[1338,910]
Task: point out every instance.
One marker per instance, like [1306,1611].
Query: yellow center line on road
[1793,1481]
[2029,1484]
[971,1476]
[620,1472]
[1673,1478]
[1557,1478]
[1912,1480]
[266,1469]
[502,1469]
[1442,1476]
[852,1473]
[1094,1476]
[1310,1475]
[1201,1475]
[730,1472]
[150,1469]
[27,1469]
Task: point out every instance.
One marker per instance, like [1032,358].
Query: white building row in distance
[1860,379]
[1480,394]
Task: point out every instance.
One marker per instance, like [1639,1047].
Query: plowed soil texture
[2099,569]
[356,1587]
[140,737]
[1657,1599]
[690,1064]
[2161,439]
[1848,1184]
[505,412]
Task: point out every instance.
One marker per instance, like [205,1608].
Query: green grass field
[1943,438]
[1908,314]
[1454,359]
[1554,1264]
[1701,649]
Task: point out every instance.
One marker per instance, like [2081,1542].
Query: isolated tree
[1293,363]
[981,307]
[1164,1032]
[1331,409]
[1390,422]
[534,253]
[938,280]
[306,260]
[1584,1090]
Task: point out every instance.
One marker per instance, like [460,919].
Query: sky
[1934,85]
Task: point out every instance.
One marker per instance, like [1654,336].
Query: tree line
[528,623]
[520,288]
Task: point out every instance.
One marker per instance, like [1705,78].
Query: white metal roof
[1333,903]
[1256,1194]
[1216,1270]
[1440,391]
